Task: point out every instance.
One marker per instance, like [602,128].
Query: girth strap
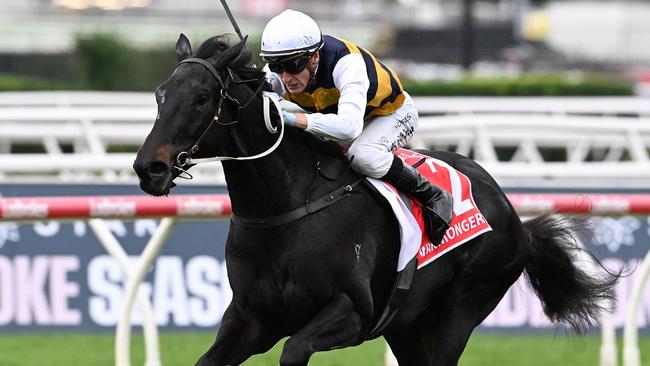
[308,208]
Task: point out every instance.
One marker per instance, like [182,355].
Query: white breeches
[373,149]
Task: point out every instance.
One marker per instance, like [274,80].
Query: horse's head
[189,103]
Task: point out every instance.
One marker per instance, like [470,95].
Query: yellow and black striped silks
[385,94]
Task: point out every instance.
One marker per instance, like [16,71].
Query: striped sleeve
[351,79]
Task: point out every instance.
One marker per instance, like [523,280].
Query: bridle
[184,158]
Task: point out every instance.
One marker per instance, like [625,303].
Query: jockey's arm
[351,79]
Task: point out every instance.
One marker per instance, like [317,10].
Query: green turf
[184,348]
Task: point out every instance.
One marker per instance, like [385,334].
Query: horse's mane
[216,45]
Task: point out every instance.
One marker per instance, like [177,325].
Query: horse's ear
[183,48]
[236,55]
[244,55]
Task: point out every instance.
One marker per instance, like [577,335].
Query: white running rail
[92,136]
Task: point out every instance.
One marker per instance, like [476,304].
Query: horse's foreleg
[241,335]
[338,324]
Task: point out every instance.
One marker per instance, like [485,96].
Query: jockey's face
[297,83]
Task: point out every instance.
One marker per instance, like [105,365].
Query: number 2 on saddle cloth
[467,221]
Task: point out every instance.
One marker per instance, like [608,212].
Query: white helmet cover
[289,33]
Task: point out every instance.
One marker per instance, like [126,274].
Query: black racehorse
[323,273]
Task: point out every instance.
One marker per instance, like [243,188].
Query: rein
[184,158]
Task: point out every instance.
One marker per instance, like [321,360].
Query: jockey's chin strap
[184,158]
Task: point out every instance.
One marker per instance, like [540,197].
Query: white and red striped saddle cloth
[467,222]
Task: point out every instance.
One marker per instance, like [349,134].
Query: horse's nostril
[157,168]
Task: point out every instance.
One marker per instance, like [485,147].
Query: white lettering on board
[170,294]
[195,293]
[47,229]
[206,280]
[37,290]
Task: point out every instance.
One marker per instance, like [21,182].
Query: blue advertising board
[55,275]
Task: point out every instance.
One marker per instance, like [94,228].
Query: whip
[232,19]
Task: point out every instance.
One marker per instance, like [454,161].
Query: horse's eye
[202,98]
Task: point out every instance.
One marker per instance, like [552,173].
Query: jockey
[353,99]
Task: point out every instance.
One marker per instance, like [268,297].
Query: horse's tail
[568,293]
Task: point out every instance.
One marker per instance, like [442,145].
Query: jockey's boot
[436,202]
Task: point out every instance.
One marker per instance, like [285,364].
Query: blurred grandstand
[532,34]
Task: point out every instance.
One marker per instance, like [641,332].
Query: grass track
[184,348]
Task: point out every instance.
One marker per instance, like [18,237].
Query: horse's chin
[157,188]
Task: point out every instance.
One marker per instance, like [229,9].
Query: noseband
[184,158]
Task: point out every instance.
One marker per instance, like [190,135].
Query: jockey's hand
[289,118]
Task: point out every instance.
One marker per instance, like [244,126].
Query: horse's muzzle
[155,176]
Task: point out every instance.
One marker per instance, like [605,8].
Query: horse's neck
[271,185]
[282,180]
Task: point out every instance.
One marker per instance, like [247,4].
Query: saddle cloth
[467,222]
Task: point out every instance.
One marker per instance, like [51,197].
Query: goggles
[292,66]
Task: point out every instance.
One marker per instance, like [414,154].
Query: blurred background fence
[531,141]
